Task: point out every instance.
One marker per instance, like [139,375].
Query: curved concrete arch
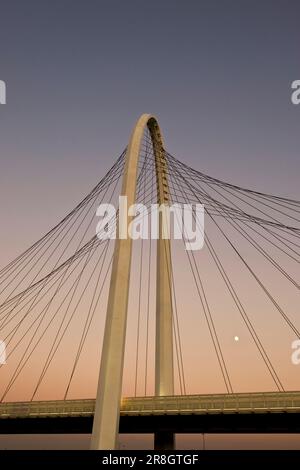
[107,410]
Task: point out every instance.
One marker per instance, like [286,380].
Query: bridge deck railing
[233,403]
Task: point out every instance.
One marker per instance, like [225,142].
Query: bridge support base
[164,440]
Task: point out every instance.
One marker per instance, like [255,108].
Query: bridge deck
[190,404]
[279,412]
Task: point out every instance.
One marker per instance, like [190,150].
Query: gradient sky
[217,74]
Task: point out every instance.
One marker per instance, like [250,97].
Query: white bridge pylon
[108,399]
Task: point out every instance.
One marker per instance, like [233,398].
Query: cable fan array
[54,295]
